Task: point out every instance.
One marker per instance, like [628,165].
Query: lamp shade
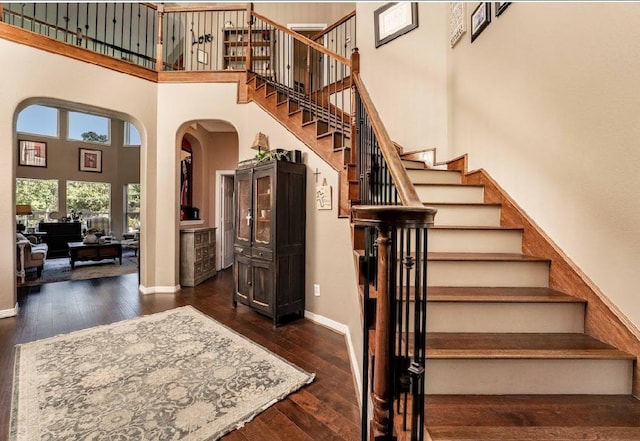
[23,209]
[261,142]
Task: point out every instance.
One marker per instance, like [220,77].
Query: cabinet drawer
[198,238]
[242,251]
[199,254]
[263,254]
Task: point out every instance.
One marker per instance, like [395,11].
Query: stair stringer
[323,146]
[603,320]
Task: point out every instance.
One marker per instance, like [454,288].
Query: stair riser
[467,215]
[475,241]
[504,317]
[530,376]
[450,193]
[483,273]
[413,165]
[433,176]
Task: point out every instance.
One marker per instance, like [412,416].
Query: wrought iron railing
[395,275]
[340,37]
[204,40]
[126,31]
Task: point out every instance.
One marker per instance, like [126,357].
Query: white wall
[547,100]
[407,77]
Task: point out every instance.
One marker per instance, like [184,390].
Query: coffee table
[79,251]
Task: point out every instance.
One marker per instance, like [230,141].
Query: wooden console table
[79,251]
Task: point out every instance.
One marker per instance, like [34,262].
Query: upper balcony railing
[126,31]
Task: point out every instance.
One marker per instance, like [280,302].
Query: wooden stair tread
[486,294]
[462,204]
[498,294]
[532,417]
[449,185]
[519,345]
[473,227]
[486,257]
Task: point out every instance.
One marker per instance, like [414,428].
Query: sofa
[35,254]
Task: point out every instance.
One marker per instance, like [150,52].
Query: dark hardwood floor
[327,409]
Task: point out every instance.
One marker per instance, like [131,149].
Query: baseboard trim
[145,290]
[6,313]
[344,330]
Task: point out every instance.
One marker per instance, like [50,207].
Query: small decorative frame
[457,21]
[480,19]
[393,20]
[32,153]
[203,57]
[501,6]
[323,196]
[91,160]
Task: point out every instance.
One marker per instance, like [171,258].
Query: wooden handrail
[207,7]
[304,40]
[333,26]
[405,188]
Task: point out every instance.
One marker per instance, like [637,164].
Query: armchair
[30,255]
[131,241]
[100,225]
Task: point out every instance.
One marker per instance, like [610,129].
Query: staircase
[507,356]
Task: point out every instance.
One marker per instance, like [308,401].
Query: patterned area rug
[59,270]
[175,375]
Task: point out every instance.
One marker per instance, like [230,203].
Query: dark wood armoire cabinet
[269,232]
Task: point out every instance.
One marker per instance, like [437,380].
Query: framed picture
[393,20]
[480,19]
[501,6]
[91,160]
[32,153]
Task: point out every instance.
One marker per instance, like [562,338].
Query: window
[38,120]
[89,128]
[92,199]
[132,210]
[42,195]
[131,135]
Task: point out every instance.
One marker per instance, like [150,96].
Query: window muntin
[89,128]
[39,120]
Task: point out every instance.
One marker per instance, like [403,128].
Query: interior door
[227,221]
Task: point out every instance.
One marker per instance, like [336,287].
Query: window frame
[29,134]
[109,128]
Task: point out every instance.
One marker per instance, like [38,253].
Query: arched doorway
[87,177]
[208,157]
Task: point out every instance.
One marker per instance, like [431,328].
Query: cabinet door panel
[243,276]
[263,219]
[262,295]
[243,214]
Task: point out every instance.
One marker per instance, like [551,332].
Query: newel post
[249,60]
[159,47]
[386,224]
[355,70]
[382,394]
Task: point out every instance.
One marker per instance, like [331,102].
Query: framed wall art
[32,153]
[393,20]
[480,19]
[501,6]
[91,160]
